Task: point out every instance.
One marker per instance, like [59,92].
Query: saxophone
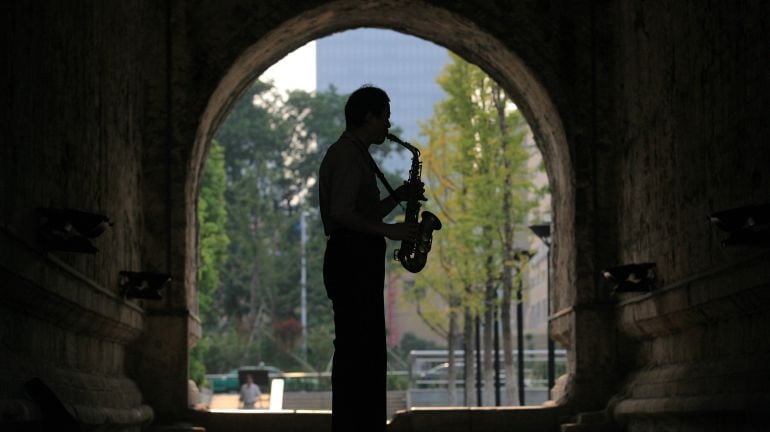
[414,255]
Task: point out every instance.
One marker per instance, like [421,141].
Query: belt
[344,233]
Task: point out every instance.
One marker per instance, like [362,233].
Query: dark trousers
[354,276]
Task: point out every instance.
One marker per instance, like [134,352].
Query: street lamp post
[543,231]
[497,348]
[520,255]
[520,341]
[479,402]
[303,282]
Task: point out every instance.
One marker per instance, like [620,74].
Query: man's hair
[367,99]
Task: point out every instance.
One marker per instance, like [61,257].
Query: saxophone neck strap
[368,157]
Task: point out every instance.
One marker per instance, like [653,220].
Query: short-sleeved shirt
[250,393]
[347,182]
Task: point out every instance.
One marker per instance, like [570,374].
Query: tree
[272,147]
[252,137]
[213,240]
[212,219]
[475,165]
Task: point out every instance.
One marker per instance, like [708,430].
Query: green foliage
[212,217]
[475,166]
[197,362]
[214,240]
[259,180]
[410,342]
[320,349]
[221,348]
[397,382]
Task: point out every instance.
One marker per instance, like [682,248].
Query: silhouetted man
[354,262]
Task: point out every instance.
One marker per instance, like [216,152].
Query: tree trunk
[254,286]
[489,323]
[511,390]
[469,357]
[508,250]
[451,342]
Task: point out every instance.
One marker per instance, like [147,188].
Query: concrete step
[181,427]
[529,419]
[507,419]
[586,427]
[594,418]
[283,421]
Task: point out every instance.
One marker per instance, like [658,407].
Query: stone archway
[459,34]
[110,106]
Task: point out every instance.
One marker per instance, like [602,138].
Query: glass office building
[404,66]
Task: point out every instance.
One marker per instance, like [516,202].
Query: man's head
[367,113]
[249,379]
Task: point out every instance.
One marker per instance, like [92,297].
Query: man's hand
[403,231]
[402,192]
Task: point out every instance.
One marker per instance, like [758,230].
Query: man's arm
[391,201]
[386,206]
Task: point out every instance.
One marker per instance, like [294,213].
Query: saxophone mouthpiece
[405,144]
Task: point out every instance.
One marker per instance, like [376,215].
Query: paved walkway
[230,401]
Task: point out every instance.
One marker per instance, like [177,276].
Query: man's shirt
[249,393]
[347,183]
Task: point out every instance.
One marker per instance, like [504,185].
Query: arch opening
[443,28]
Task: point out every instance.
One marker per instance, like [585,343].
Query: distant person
[249,393]
[354,262]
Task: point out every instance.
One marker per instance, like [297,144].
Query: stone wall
[74,102]
[690,102]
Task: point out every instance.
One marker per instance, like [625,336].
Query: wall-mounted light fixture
[70,230]
[748,225]
[543,232]
[631,277]
[143,285]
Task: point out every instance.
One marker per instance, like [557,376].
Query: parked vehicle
[438,376]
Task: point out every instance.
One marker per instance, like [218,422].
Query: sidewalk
[230,402]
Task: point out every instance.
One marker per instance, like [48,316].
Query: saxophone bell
[428,224]
[414,256]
